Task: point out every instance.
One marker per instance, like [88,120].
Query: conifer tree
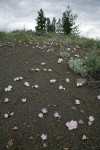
[41,21]
[48,25]
[68,22]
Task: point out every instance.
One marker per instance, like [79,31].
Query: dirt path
[25,60]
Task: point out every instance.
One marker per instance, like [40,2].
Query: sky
[20,14]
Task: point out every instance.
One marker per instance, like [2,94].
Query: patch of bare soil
[31,79]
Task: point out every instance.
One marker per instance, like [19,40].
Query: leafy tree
[41,21]
[68,22]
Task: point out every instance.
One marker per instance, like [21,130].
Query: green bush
[88,42]
[91,43]
[92,63]
[77,66]
[6,37]
[2,36]
[64,54]
[21,36]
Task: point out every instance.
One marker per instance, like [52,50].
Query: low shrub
[77,66]
[21,36]
[64,54]
[92,63]
[89,66]
[91,43]
[6,37]
[2,36]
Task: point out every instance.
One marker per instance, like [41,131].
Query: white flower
[21,78]
[79,84]
[26,84]
[35,86]
[91,118]
[49,70]
[57,115]
[44,110]
[23,100]
[6,116]
[40,115]
[52,80]
[11,114]
[61,87]
[14,128]
[68,49]
[32,69]
[37,69]
[43,64]
[60,60]
[45,69]
[72,125]
[6,100]
[18,78]
[98,97]
[77,102]
[67,80]
[90,123]
[84,137]
[44,137]
[76,55]
[7,89]
[10,86]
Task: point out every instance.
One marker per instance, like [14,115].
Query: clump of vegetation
[21,36]
[64,54]
[77,66]
[90,66]
[92,63]
[6,37]
[2,36]
[90,43]
[16,36]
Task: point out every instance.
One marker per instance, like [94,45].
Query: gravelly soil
[19,60]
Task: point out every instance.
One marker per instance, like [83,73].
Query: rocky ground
[32,78]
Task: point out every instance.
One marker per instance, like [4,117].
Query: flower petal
[72,125]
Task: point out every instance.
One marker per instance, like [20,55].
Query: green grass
[27,35]
[15,36]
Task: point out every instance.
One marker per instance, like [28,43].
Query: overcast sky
[16,14]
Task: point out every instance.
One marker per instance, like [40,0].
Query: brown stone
[82,81]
